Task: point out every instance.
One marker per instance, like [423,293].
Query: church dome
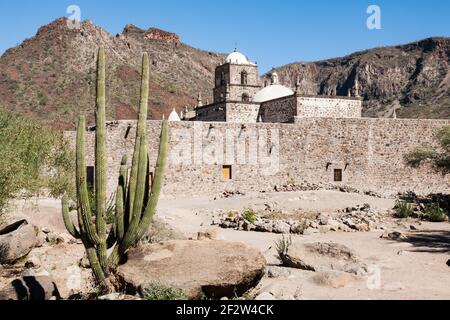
[174,117]
[237,58]
[272,92]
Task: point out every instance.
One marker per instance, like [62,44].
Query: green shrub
[417,157]
[249,215]
[33,158]
[440,158]
[161,292]
[403,210]
[232,214]
[435,213]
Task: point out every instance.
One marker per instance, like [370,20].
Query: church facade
[240,97]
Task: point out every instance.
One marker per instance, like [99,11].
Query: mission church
[240,97]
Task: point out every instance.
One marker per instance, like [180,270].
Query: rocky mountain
[413,78]
[52,76]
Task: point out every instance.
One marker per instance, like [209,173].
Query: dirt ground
[414,268]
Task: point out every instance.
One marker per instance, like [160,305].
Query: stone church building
[314,142]
[239,97]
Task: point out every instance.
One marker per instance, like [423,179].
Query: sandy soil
[414,268]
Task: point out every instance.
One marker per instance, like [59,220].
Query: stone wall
[281,110]
[328,107]
[242,112]
[213,112]
[370,153]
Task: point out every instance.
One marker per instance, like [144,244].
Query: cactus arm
[100,162]
[143,108]
[141,188]
[67,220]
[91,253]
[82,190]
[120,231]
[133,180]
[157,183]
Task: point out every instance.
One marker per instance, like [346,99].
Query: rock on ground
[30,288]
[210,268]
[16,241]
[325,256]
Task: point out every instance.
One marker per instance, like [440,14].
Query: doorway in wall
[337,175]
[227,172]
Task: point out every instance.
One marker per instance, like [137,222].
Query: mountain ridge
[52,75]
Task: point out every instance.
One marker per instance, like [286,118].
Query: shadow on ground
[436,241]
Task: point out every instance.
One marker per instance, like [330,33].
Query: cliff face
[415,78]
[52,76]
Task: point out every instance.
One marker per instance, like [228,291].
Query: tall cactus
[135,202]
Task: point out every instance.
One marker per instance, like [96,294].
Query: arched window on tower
[244,77]
[222,79]
[245,97]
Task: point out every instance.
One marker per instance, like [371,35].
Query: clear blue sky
[272,33]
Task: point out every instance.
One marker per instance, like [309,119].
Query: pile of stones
[313,187]
[353,219]
[229,194]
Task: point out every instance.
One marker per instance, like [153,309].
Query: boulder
[199,268]
[322,257]
[281,227]
[30,288]
[16,241]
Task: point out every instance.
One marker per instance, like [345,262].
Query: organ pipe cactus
[135,202]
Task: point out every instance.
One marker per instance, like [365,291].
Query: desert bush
[249,215]
[403,210]
[417,157]
[33,158]
[439,158]
[232,214]
[282,245]
[435,213]
[162,292]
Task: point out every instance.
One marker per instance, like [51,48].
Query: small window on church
[245,97]
[227,172]
[337,175]
[244,77]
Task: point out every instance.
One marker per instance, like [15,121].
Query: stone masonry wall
[370,152]
[242,112]
[332,107]
[214,112]
[281,110]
